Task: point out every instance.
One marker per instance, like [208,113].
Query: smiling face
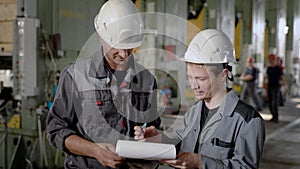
[206,81]
[116,58]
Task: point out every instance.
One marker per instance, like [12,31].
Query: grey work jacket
[89,103]
[232,138]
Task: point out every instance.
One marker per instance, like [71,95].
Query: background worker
[249,78]
[275,77]
[100,98]
[220,131]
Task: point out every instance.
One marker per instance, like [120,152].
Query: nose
[193,83]
[124,53]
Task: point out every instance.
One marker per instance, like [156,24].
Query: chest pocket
[140,100]
[100,120]
[137,106]
[99,108]
[217,148]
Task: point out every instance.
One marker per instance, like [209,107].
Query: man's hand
[106,155]
[185,160]
[103,152]
[149,134]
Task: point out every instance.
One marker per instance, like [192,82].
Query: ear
[224,74]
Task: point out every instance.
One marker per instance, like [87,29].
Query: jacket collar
[226,108]
[229,103]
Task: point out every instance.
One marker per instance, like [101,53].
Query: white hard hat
[119,24]
[210,46]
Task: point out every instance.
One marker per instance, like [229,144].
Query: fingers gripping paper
[145,150]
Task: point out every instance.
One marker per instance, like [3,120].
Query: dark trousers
[249,89]
[273,93]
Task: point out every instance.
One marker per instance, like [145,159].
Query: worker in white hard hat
[220,130]
[100,98]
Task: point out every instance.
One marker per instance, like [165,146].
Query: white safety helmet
[210,46]
[120,24]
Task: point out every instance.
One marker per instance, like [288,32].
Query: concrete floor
[282,147]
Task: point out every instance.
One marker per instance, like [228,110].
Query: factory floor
[282,145]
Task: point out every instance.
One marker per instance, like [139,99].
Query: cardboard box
[6,47]
[8,12]
[6,31]
[8,1]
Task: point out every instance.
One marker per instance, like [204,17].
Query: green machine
[23,110]
[22,130]
[47,36]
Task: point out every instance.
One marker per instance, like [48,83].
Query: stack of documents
[145,150]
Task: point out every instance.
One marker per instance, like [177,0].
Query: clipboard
[145,150]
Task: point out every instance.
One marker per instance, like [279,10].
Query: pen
[142,127]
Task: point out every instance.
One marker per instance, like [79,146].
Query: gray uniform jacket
[90,103]
[232,138]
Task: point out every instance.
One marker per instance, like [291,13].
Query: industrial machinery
[24,107]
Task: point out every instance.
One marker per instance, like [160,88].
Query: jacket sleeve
[248,148]
[62,119]
[156,123]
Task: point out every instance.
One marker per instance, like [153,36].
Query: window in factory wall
[6,78]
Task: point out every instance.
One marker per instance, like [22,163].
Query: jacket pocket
[218,142]
[217,149]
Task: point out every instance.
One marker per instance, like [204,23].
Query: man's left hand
[185,160]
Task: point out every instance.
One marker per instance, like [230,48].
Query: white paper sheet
[145,150]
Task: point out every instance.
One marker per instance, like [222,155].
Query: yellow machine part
[238,39]
[14,122]
[194,26]
[138,4]
[237,88]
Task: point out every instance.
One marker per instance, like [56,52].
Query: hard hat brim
[200,62]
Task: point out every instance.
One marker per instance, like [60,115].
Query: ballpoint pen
[142,127]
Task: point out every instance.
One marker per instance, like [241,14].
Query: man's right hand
[106,155]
